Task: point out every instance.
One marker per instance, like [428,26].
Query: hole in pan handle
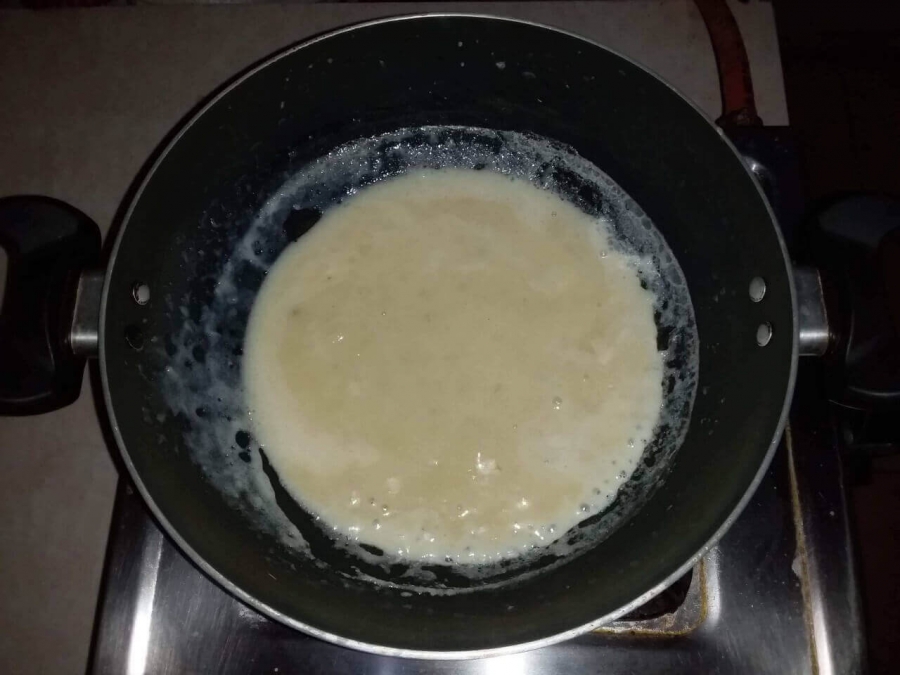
[48,245]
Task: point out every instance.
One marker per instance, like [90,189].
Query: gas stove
[778,594]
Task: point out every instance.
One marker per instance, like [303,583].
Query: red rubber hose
[738,104]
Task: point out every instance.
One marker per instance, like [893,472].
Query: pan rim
[382,650]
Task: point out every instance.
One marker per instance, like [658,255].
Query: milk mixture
[453,365]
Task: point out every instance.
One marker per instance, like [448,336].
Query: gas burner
[777,594]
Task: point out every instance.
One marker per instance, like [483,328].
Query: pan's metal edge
[412,653]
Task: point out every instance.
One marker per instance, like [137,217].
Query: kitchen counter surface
[87,95]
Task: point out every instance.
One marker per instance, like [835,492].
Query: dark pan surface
[406,73]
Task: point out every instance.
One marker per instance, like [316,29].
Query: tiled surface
[56,486]
[843,82]
[843,89]
[876,505]
[86,95]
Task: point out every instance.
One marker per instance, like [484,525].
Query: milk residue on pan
[210,392]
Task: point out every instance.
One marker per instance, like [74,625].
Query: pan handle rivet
[140,292]
[763,334]
[757,289]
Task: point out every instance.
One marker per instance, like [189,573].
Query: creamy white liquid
[453,364]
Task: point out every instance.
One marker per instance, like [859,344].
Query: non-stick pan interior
[448,71]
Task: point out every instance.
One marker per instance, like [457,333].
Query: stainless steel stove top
[777,595]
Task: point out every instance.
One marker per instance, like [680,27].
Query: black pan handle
[48,245]
[856,244]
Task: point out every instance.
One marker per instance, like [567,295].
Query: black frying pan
[210,181]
